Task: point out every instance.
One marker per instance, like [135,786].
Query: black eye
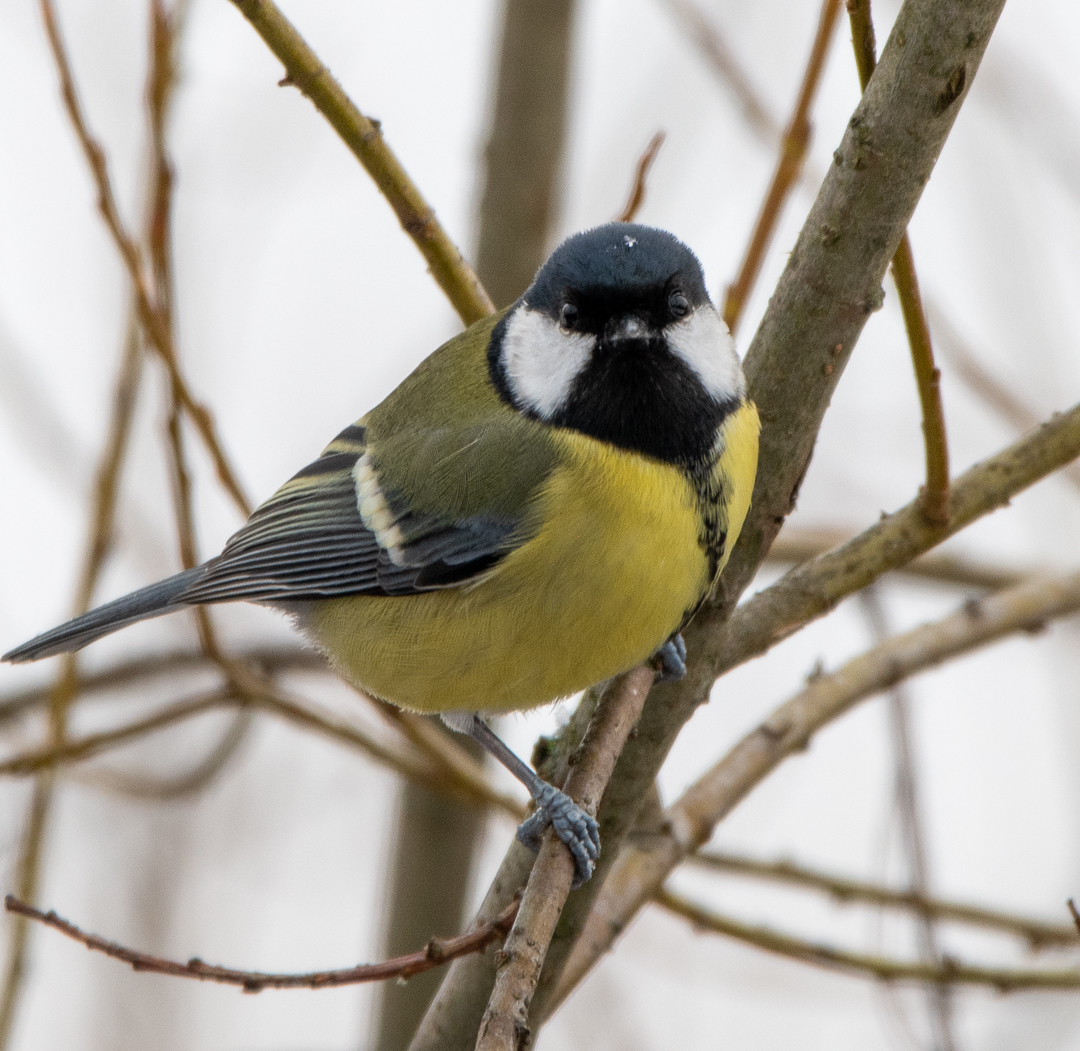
[678,304]
[568,315]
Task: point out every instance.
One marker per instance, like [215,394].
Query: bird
[540,506]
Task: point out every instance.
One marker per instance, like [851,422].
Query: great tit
[542,504]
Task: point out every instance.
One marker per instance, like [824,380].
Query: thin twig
[65,688]
[948,972]
[690,821]
[1037,933]
[811,590]
[77,749]
[939,999]
[993,392]
[1074,914]
[437,952]
[637,191]
[788,166]
[444,752]
[460,781]
[505,1022]
[364,137]
[796,545]
[178,786]
[149,315]
[723,62]
[457,773]
[129,671]
[935,494]
[436,776]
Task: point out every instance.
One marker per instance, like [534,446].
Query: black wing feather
[308,542]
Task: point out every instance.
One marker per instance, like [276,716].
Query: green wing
[453,471]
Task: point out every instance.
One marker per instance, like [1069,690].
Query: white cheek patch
[541,361]
[703,342]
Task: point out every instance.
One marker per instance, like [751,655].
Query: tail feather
[153,601]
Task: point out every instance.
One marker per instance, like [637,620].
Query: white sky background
[301,304]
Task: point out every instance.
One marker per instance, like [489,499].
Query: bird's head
[617,338]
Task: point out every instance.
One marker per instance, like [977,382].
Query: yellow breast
[607,578]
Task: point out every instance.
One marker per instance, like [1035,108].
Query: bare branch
[454,1016]
[270,660]
[935,495]
[364,138]
[727,68]
[638,875]
[993,392]
[813,589]
[506,1019]
[149,314]
[178,786]
[788,166]
[802,595]
[77,749]
[948,972]
[796,545]
[637,191]
[1037,933]
[437,952]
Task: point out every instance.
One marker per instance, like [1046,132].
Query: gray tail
[153,601]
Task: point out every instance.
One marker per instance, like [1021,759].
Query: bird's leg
[577,829]
[670,660]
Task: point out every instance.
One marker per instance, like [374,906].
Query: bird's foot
[572,825]
[670,660]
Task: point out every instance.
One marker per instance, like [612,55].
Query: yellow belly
[599,589]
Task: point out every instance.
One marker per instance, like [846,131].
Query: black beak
[628,329]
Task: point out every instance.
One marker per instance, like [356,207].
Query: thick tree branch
[364,138]
[454,1016]
[865,965]
[437,952]
[505,1023]
[1037,933]
[690,821]
[830,286]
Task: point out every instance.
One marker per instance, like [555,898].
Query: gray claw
[672,659]
[572,825]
